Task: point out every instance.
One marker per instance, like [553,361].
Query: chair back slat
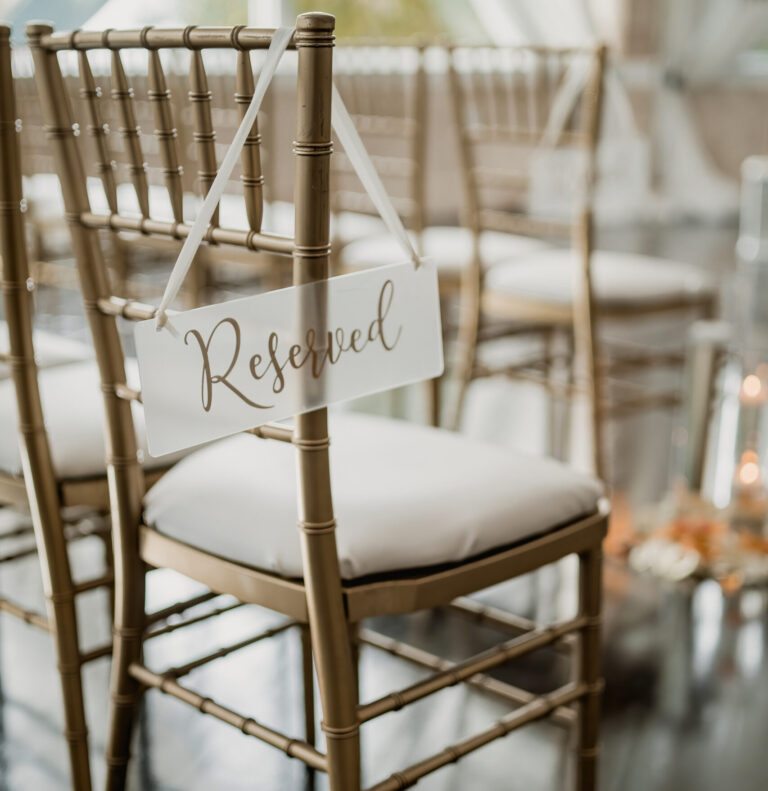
[251,175]
[97,129]
[122,93]
[165,131]
[204,134]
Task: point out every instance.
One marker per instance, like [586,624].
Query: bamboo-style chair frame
[63,510]
[47,495]
[325,608]
[516,113]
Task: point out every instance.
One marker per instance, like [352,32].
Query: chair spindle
[251,177]
[98,130]
[204,134]
[165,131]
[122,93]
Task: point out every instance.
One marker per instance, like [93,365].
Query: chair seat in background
[50,350]
[618,279]
[74,419]
[450,247]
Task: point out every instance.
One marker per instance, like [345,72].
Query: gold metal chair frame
[481,306]
[325,608]
[47,495]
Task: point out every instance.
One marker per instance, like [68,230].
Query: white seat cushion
[405,496]
[74,419]
[450,247]
[50,349]
[349,226]
[43,192]
[617,278]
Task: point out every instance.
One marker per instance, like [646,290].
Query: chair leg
[332,651]
[554,405]
[339,696]
[308,681]
[109,565]
[125,691]
[64,621]
[343,760]
[354,642]
[590,583]
[467,339]
[433,406]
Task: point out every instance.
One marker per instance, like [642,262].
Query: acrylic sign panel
[229,367]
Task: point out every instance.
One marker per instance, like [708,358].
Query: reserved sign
[224,368]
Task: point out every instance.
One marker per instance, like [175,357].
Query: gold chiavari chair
[529,112]
[52,449]
[425,516]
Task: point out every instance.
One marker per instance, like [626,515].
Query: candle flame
[751,386]
[749,473]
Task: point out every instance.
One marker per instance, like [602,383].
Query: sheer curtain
[700,41]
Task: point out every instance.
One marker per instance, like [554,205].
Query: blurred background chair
[385,89]
[528,121]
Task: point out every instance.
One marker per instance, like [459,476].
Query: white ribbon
[349,138]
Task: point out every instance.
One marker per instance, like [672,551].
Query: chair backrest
[528,122]
[309,248]
[39,475]
[107,152]
[384,89]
